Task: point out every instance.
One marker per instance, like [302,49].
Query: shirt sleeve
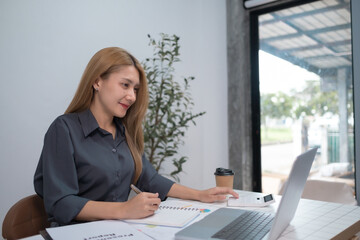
[56,177]
[151,181]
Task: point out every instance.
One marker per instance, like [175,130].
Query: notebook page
[171,213]
[165,232]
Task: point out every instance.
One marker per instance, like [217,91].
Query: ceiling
[315,36]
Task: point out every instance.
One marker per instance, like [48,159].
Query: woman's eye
[126,85]
[136,90]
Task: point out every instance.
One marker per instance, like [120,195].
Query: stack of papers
[98,230]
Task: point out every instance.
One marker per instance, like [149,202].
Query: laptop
[229,223]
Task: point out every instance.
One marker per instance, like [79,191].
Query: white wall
[45,46]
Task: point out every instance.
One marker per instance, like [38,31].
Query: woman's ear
[97,84]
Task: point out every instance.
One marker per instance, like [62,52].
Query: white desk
[314,220]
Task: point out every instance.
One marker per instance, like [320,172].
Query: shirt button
[113,150]
[115,197]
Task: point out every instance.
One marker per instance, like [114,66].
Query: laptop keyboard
[249,225]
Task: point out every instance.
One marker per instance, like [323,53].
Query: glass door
[306,91]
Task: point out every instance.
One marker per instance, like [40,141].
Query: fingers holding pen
[152,201]
[149,195]
[143,204]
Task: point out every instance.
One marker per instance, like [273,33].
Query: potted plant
[169,114]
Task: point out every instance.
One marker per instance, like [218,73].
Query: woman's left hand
[216,194]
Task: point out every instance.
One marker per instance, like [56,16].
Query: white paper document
[98,230]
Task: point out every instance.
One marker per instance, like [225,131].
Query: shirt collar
[119,125]
[89,123]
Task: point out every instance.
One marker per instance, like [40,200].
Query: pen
[135,189]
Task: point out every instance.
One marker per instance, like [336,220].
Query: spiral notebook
[171,213]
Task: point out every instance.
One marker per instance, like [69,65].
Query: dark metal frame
[355,21]
[255,93]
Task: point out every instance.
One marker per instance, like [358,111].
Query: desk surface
[323,220]
[314,220]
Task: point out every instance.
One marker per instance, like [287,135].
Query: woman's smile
[125,106]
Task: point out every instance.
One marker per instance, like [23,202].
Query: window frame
[255,91]
[355,38]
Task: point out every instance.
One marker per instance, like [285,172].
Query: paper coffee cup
[224,177]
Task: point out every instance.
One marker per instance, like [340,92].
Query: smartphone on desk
[251,201]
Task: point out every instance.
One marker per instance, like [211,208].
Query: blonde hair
[102,64]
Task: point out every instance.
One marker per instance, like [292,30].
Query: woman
[94,151]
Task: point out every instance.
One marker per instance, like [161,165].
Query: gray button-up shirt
[81,162]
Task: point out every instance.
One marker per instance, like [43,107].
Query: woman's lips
[124,105]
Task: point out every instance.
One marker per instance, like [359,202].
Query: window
[305,91]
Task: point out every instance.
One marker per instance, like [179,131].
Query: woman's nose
[131,96]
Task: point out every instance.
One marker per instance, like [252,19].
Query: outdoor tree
[311,100]
[275,106]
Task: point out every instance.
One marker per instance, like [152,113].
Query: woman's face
[118,92]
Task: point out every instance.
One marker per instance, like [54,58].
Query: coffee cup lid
[223,172]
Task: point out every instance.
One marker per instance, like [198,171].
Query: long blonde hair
[102,64]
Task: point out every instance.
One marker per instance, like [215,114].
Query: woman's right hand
[142,205]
